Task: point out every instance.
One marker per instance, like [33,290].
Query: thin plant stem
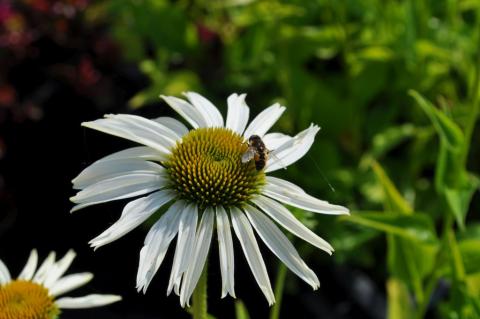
[199,307]
[279,285]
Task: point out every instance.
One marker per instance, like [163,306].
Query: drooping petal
[175,125]
[130,132]
[264,121]
[292,150]
[184,250]
[293,195]
[209,111]
[134,214]
[157,242]
[59,268]
[274,140]
[225,251]
[283,216]
[29,270]
[139,153]
[89,301]
[280,245]
[186,110]
[69,283]
[238,112]
[245,235]
[5,276]
[200,252]
[102,170]
[119,187]
[44,268]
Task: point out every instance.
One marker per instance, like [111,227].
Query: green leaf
[393,199]
[240,310]
[390,138]
[459,199]
[416,227]
[399,304]
[470,252]
[445,127]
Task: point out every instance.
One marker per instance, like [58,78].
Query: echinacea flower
[199,177]
[34,293]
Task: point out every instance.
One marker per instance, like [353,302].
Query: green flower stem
[279,285]
[199,307]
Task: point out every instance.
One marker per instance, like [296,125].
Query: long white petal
[89,301]
[102,170]
[280,245]
[186,110]
[292,150]
[59,268]
[245,235]
[4,274]
[134,214]
[137,152]
[157,242]
[283,216]
[175,125]
[127,131]
[147,127]
[119,187]
[184,250]
[293,195]
[69,283]
[225,251]
[29,270]
[238,113]
[209,111]
[44,268]
[202,245]
[264,121]
[274,140]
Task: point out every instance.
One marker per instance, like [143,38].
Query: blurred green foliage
[394,86]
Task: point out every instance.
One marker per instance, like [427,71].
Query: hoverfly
[257,151]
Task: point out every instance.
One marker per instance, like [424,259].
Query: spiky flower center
[205,167]
[26,300]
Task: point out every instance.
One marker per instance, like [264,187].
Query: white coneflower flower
[200,176]
[33,295]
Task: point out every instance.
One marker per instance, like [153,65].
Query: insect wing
[248,155]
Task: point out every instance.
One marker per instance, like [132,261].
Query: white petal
[225,251]
[147,127]
[283,216]
[274,140]
[209,111]
[118,188]
[245,235]
[264,121]
[197,262]
[44,268]
[280,245]
[138,152]
[59,268]
[186,110]
[130,132]
[69,283]
[157,242]
[293,195]
[134,213]
[101,170]
[292,150]
[238,112]
[89,301]
[184,250]
[4,274]
[30,267]
[173,124]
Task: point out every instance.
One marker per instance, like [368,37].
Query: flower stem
[199,306]
[279,285]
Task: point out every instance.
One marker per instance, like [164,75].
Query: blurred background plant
[393,84]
